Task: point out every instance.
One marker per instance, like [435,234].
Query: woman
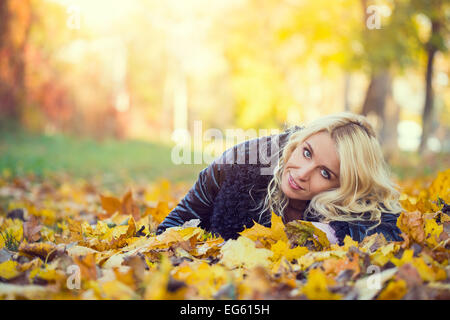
[331,172]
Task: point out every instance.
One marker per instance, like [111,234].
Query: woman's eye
[327,176]
[306,150]
[308,155]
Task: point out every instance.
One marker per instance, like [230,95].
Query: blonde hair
[365,184]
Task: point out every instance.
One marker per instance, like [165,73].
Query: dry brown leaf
[31,229]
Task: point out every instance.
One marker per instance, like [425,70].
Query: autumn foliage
[72,241]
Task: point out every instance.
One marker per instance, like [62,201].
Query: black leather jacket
[200,199]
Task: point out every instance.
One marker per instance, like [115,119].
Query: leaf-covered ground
[68,239]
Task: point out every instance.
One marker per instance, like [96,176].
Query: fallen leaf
[8,269]
[316,288]
[282,249]
[300,232]
[31,229]
[47,251]
[368,287]
[128,207]
[412,224]
[110,204]
[395,290]
[242,252]
[374,242]
[267,235]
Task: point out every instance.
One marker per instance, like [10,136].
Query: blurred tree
[49,103]
[15,21]
[438,13]
[392,48]
[257,77]
[390,45]
[277,49]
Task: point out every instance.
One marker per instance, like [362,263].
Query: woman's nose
[304,172]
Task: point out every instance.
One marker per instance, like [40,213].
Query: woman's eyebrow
[312,153]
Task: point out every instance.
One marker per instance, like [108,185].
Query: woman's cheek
[317,187]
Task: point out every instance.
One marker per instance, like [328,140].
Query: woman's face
[314,166]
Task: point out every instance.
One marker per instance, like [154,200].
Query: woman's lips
[293,184]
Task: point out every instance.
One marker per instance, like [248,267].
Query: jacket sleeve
[358,230]
[198,202]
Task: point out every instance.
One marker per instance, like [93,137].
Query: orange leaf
[412,224]
[160,212]
[334,266]
[87,266]
[110,204]
[128,207]
[76,231]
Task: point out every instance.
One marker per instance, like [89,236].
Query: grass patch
[10,241]
[23,153]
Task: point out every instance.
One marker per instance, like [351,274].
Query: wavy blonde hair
[365,184]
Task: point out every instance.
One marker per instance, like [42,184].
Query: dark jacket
[226,195]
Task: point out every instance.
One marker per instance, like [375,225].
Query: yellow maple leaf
[48,273]
[381,256]
[349,242]
[158,213]
[281,249]
[316,288]
[262,233]
[395,290]
[427,272]
[156,282]
[432,232]
[8,269]
[430,272]
[75,230]
[441,186]
[206,278]
[406,258]
[116,290]
[243,252]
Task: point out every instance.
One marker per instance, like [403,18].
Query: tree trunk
[377,92]
[389,133]
[379,102]
[375,100]
[429,96]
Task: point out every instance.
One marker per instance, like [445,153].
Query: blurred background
[97,88]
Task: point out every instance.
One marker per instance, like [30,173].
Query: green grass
[11,243]
[23,153]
